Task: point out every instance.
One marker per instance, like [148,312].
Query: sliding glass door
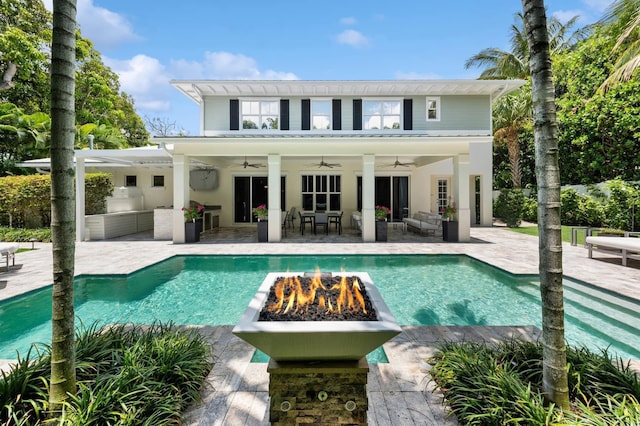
[250,192]
[390,191]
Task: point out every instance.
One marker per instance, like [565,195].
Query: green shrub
[570,207]
[509,205]
[23,235]
[126,375]
[98,186]
[580,210]
[623,201]
[591,212]
[25,201]
[530,210]
[501,384]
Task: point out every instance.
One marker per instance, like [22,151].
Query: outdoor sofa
[424,222]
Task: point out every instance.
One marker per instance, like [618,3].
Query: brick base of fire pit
[323,393]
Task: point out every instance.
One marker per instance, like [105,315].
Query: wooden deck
[400,392]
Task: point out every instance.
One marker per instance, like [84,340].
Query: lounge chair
[627,247]
[8,251]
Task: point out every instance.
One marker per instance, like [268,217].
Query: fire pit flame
[292,296]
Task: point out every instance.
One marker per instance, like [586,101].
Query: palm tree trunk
[554,367]
[513,146]
[63,377]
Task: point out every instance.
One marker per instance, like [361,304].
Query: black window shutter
[306,114]
[336,110]
[357,114]
[408,114]
[284,114]
[234,114]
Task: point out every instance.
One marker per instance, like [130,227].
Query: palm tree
[511,114]
[499,64]
[625,13]
[554,353]
[63,376]
[106,137]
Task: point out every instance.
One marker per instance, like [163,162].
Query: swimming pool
[419,290]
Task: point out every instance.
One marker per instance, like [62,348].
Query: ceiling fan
[329,165]
[401,164]
[248,164]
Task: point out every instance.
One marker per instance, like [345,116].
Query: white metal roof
[198,89]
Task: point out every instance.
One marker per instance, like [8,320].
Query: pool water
[419,290]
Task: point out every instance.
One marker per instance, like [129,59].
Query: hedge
[25,201]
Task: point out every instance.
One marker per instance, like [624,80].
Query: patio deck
[400,389]
[400,392]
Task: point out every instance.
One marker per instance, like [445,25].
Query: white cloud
[592,11]
[106,29]
[144,78]
[352,38]
[566,15]
[348,21]
[225,65]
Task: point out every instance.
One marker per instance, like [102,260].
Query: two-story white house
[341,145]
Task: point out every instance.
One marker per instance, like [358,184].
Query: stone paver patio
[399,392]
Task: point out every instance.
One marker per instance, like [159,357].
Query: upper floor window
[261,115]
[433,109]
[379,115]
[321,114]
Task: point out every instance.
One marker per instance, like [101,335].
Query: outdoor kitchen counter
[111,225]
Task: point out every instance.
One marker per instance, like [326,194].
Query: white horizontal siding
[468,112]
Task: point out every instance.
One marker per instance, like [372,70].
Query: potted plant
[191,230]
[262,213]
[449,224]
[449,211]
[381,213]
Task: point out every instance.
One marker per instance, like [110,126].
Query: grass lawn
[566,232]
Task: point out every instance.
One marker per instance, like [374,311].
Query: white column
[274,163]
[80,200]
[461,196]
[180,195]
[486,200]
[368,198]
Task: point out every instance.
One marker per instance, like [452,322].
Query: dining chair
[303,222]
[321,219]
[285,219]
[291,218]
[337,221]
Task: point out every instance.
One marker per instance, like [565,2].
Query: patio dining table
[312,215]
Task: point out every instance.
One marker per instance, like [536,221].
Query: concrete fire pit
[316,340]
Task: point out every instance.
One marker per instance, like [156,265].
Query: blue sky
[149,42]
